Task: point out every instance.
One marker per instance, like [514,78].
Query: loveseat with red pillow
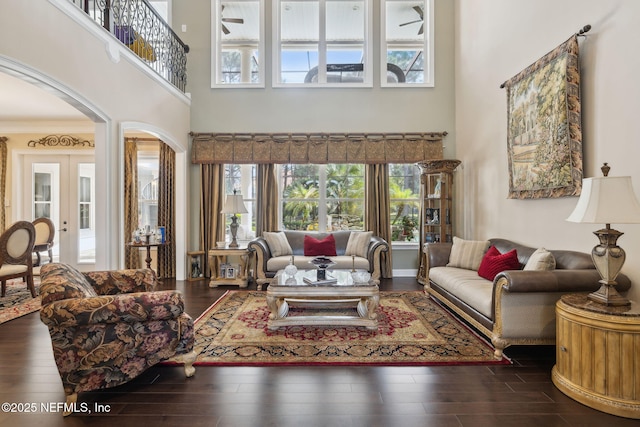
[348,249]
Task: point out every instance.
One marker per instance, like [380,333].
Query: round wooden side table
[598,355]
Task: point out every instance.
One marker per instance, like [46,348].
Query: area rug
[412,330]
[18,300]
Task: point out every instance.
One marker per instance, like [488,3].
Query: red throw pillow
[494,262]
[315,247]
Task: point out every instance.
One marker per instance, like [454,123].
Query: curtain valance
[321,148]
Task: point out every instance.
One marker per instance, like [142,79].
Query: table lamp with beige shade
[234,205]
[607,200]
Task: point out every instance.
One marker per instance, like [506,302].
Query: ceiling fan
[229,20]
[420,13]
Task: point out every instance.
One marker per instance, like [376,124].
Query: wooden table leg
[148,260]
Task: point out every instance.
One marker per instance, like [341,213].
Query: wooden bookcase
[436,205]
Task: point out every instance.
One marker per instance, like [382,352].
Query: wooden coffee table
[285,291]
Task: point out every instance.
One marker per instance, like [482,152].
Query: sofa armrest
[122,281]
[262,254]
[586,280]
[437,254]
[123,308]
[376,245]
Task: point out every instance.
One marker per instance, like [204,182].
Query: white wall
[104,78]
[496,39]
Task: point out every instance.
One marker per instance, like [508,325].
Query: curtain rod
[580,33]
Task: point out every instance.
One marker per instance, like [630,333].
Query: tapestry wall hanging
[544,135]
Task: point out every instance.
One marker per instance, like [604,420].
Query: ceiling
[24,101]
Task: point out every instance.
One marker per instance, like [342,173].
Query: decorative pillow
[318,247]
[494,262]
[278,243]
[358,243]
[541,259]
[467,253]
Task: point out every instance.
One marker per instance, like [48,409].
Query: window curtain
[131,257]
[267,211]
[212,226]
[207,148]
[167,210]
[377,208]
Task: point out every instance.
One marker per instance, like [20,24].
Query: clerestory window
[237,31]
[319,43]
[407,42]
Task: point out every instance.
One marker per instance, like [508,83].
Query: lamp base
[608,258]
[608,295]
[234,231]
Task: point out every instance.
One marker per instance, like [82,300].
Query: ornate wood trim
[60,141]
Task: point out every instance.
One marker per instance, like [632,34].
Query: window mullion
[322,43]
[322,198]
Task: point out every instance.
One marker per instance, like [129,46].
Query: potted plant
[408,227]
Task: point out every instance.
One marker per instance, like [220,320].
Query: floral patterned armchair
[108,327]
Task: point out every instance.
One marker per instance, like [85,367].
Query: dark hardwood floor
[521,394]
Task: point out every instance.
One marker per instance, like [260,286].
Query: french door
[62,188]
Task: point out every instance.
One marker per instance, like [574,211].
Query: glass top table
[319,301]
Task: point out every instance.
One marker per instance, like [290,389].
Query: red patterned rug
[18,300]
[413,330]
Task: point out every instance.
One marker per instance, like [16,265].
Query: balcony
[138,26]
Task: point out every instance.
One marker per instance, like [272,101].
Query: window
[42,197]
[237,31]
[322,42]
[84,196]
[322,197]
[404,194]
[242,178]
[148,170]
[407,43]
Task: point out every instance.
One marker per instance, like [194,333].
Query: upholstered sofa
[353,249]
[518,305]
[108,327]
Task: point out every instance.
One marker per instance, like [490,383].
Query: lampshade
[607,200]
[234,204]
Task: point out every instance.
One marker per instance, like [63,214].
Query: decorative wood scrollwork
[61,141]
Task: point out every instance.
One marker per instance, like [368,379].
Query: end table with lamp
[598,335]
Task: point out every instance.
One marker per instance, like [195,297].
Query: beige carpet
[413,330]
[18,300]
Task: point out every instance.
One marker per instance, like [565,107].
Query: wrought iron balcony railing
[136,24]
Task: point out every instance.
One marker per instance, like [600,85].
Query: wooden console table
[598,355]
[239,276]
[148,246]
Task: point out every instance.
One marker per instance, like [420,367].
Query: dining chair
[45,232]
[16,247]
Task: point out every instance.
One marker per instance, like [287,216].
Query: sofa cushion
[467,253]
[494,262]
[320,247]
[541,259]
[358,243]
[278,243]
[467,286]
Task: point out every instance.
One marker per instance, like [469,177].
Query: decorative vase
[291,269]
